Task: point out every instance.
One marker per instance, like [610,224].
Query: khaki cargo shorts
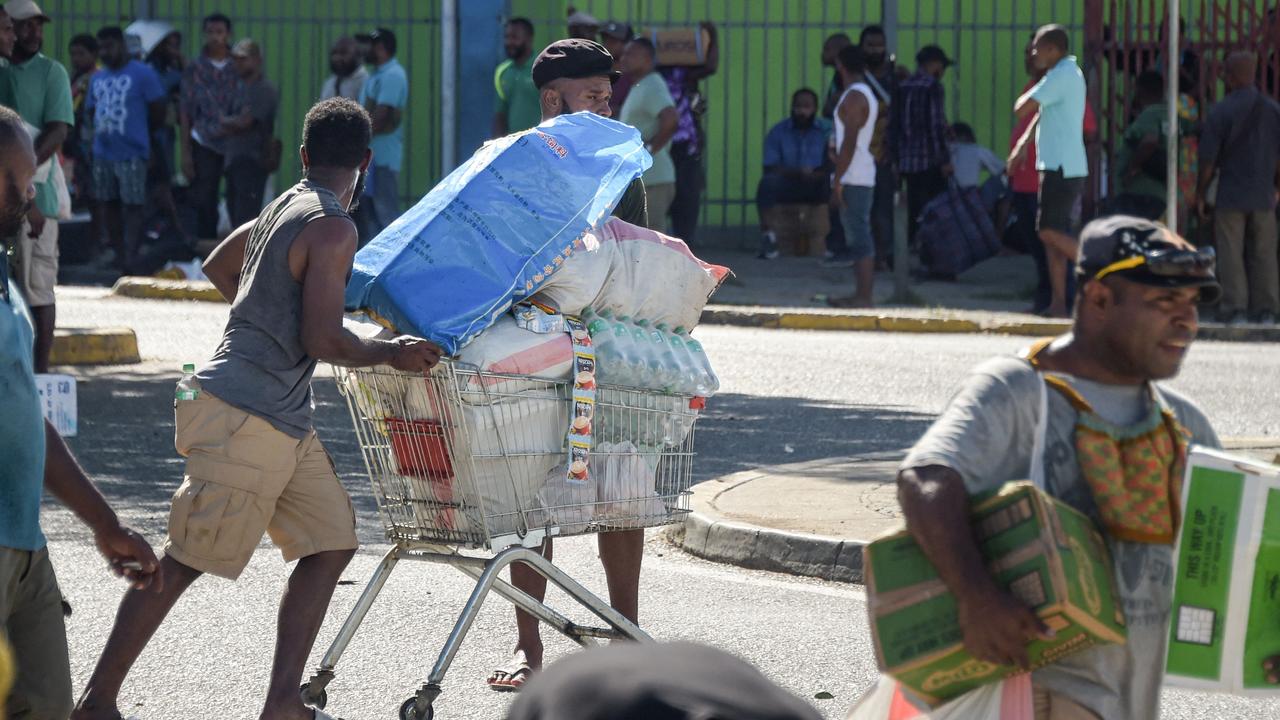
[244,477]
[36,264]
[32,622]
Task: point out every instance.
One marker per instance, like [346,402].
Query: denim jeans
[856,219]
[380,205]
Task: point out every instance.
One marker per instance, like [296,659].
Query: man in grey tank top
[254,464]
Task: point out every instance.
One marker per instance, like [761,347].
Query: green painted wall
[769,49]
[295,36]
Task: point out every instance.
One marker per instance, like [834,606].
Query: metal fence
[769,48]
[295,36]
[1127,37]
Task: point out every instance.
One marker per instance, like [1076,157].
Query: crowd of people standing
[663,101]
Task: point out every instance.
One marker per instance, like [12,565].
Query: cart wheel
[318,700]
[409,710]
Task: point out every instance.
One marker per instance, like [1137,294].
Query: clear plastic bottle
[686,382]
[657,375]
[187,389]
[628,353]
[642,352]
[610,351]
[708,383]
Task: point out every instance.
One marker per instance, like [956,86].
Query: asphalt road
[787,396]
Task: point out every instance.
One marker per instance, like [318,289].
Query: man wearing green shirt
[1140,160]
[42,96]
[651,110]
[576,75]
[518,107]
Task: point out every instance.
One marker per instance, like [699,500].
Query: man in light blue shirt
[1058,101]
[35,459]
[384,95]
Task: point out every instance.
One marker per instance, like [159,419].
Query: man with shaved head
[1240,143]
[349,72]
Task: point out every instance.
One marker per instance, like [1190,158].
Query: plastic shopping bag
[495,229]
[1008,699]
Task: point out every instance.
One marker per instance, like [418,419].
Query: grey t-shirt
[261,99]
[262,366]
[987,434]
[1247,167]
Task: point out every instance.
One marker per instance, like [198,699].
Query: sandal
[512,677]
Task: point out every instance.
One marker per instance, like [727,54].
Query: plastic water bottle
[675,362]
[685,365]
[651,354]
[640,349]
[708,383]
[668,364]
[187,389]
[610,352]
[625,353]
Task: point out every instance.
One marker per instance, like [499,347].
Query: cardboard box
[1045,553]
[680,46]
[58,401]
[1226,594]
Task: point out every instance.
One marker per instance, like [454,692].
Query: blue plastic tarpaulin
[496,228]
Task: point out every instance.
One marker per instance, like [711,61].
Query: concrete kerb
[944,322]
[912,321]
[94,346]
[759,548]
[705,535]
[160,289]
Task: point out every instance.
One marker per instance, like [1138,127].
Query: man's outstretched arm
[330,246]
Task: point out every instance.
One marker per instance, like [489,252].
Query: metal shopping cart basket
[462,459]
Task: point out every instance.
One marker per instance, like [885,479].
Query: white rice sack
[506,348]
[513,444]
[656,277]
[577,284]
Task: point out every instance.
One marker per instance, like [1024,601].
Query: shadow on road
[744,432]
[126,442]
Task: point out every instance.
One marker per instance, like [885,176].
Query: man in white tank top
[853,183]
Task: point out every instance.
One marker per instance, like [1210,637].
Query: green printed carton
[1226,593]
[1042,551]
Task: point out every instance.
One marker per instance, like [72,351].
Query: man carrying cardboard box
[1083,413]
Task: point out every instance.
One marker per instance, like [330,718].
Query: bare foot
[1056,311]
[88,709]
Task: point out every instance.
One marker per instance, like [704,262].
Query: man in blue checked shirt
[795,165]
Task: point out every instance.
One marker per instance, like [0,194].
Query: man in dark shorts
[1059,101]
[254,463]
[577,75]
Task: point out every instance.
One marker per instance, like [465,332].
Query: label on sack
[538,318]
[584,401]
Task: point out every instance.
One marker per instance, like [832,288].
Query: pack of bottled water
[631,353]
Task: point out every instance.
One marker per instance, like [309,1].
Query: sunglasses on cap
[1179,262]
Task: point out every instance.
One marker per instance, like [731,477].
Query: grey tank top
[261,366]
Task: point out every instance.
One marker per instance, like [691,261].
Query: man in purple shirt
[688,142]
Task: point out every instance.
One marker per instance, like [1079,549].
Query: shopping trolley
[463,459]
